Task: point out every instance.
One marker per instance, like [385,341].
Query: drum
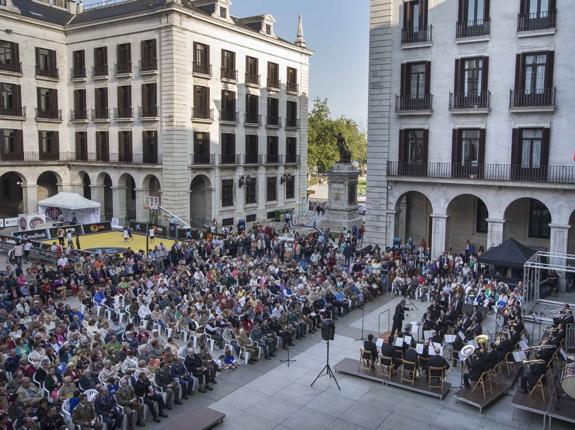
[568,380]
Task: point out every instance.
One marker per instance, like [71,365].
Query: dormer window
[268,29]
[223,12]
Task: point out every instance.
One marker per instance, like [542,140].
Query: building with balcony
[174,98]
[470,124]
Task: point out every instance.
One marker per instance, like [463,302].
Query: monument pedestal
[342,210]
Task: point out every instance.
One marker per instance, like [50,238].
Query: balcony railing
[100,114]
[17,155]
[202,114]
[230,159]
[49,73]
[123,68]
[112,158]
[292,123]
[273,121]
[78,73]
[229,116]
[229,74]
[202,68]
[484,172]
[148,112]
[292,87]
[81,155]
[48,156]
[473,28]
[292,158]
[416,35]
[203,159]
[253,119]
[100,70]
[463,100]
[407,103]
[149,158]
[252,79]
[150,65]
[17,111]
[536,21]
[55,114]
[78,115]
[253,159]
[124,113]
[273,83]
[273,159]
[537,98]
[14,66]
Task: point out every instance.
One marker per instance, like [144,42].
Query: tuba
[481,340]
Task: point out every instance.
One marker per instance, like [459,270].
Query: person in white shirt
[152,233]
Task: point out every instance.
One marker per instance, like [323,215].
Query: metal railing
[149,65]
[202,68]
[15,67]
[148,112]
[49,156]
[532,98]
[292,87]
[50,114]
[100,114]
[292,158]
[253,119]
[407,103]
[292,123]
[253,159]
[202,113]
[273,121]
[536,21]
[274,83]
[124,113]
[476,28]
[100,70]
[230,74]
[464,100]
[125,157]
[123,68]
[78,73]
[416,35]
[484,171]
[230,159]
[204,159]
[50,73]
[273,159]
[19,111]
[78,114]
[229,116]
[252,79]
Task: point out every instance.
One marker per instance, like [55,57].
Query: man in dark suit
[369,345]
[388,351]
[411,354]
[437,360]
[398,317]
[476,368]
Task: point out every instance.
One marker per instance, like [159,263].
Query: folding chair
[408,371]
[364,360]
[542,385]
[435,374]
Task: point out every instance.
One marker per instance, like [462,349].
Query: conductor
[398,317]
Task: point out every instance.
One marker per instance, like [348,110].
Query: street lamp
[244,180]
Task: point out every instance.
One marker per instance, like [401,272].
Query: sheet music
[523,345]
[379,342]
[473,343]
[461,335]
[428,334]
[438,345]
[419,348]
[431,351]
[449,338]
[408,339]
[399,342]
[519,356]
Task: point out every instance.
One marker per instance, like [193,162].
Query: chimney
[72,6]
[299,40]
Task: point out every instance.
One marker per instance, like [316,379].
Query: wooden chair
[364,360]
[507,363]
[435,374]
[482,382]
[542,385]
[385,368]
[408,371]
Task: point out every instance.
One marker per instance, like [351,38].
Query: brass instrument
[532,348]
[536,361]
[482,340]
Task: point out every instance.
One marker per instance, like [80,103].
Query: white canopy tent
[70,204]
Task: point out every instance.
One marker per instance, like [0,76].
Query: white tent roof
[70,201]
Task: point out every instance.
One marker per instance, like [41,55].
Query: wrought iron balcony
[149,65]
[148,112]
[536,21]
[50,72]
[292,123]
[78,115]
[416,35]
[253,158]
[292,87]
[273,83]
[230,159]
[229,74]
[124,113]
[78,73]
[11,66]
[100,70]
[273,121]
[202,68]
[476,28]
[407,103]
[543,98]
[292,158]
[253,119]
[203,159]
[467,101]
[100,114]
[52,114]
[202,114]
[123,68]
[252,79]
[15,111]
[229,116]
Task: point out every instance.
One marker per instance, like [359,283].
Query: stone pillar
[30,198]
[558,243]
[142,214]
[438,234]
[119,199]
[391,215]
[494,232]
[70,188]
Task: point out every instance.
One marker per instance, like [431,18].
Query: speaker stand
[288,361]
[327,371]
[362,315]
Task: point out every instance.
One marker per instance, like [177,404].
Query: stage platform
[198,419]
[475,398]
[350,366]
[536,405]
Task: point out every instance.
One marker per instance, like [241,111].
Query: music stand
[288,361]
[362,315]
[327,370]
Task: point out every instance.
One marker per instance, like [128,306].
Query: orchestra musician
[531,374]
[437,361]
[476,366]
[369,345]
[388,351]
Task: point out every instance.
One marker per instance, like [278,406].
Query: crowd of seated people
[139,333]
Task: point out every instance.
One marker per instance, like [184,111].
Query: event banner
[139,227]
[97,227]
[160,231]
[188,234]
[77,230]
[36,235]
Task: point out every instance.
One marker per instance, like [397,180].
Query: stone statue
[344,151]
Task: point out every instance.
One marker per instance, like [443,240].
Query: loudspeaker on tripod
[327,329]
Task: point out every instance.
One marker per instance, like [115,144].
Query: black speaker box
[327,329]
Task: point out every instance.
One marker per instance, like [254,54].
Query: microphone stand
[362,315]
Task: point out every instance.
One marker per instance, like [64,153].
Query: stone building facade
[469,123]
[174,98]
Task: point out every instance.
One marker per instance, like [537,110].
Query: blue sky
[338,32]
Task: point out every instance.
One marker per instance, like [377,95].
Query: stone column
[142,214]
[558,243]
[70,188]
[30,198]
[494,232]
[119,203]
[97,192]
[438,234]
[390,226]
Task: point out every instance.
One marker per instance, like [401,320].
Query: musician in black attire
[411,354]
[437,360]
[505,346]
[398,317]
[388,351]
[531,375]
[476,368]
[369,345]
[491,358]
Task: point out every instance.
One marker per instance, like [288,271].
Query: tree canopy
[322,132]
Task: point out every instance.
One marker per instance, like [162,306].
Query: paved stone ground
[271,395]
